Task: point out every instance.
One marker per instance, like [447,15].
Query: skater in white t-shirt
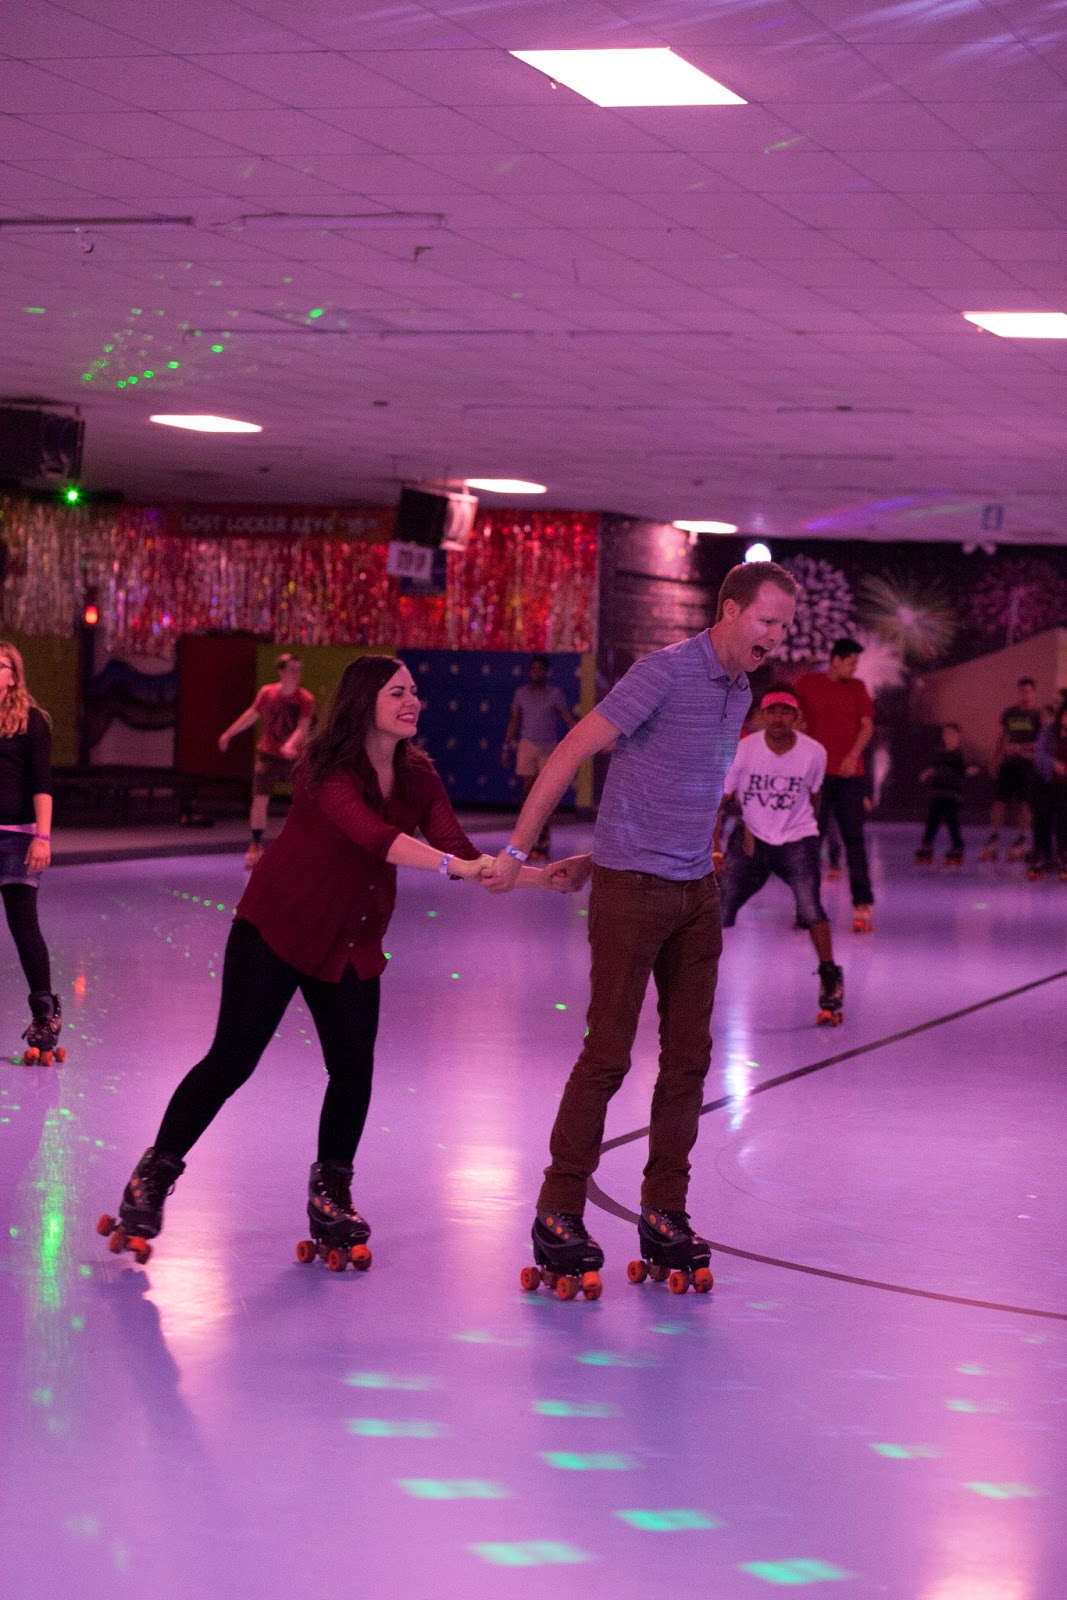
[775,780]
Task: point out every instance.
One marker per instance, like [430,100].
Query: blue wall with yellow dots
[467,698]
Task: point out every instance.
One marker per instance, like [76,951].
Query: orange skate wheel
[61,1054]
[337,1260]
[530,1277]
[702,1280]
[106,1225]
[47,1058]
[306,1252]
[140,1249]
[637,1272]
[566,1287]
[592,1287]
[31,1057]
[117,1243]
[678,1282]
[361,1257]
[658,1273]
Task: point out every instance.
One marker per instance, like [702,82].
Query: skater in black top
[1013,765]
[25,846]
[1050,763]
[945,778]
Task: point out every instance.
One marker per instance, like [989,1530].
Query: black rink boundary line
[613,1207]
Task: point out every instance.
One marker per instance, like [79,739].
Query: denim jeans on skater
[943,809]
[797,864]
[641,926]
[843,798]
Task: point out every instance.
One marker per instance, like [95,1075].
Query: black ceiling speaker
[38,444]
[441,521]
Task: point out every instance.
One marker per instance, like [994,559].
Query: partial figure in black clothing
[313,918]
[1013,769]
[25,846]
[1050,813]
[945,779]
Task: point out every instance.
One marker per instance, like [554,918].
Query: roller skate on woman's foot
[862,919]
[42,1035]
[568,1260]
[338,1233]
[1036,870]
[831,995]
[990,851]
[1019,850]
[924,856]
[670,1249]
[140,1215]
[953,858]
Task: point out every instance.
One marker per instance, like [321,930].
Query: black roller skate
[670,1249]
[338,1233]
[140,1215]
[568,1260]
[42,1035]
[831,995]
[953,858]
[924,856]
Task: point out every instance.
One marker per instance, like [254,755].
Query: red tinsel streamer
[527,581]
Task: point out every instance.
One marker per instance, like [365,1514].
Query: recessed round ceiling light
[706,527]
[506,485]
[198,424]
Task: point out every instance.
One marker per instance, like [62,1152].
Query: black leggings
[20,904]
[257,986]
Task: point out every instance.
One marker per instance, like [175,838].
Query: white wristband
[446,865]
[517,855]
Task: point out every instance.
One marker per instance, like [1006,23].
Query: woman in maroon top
[312,918]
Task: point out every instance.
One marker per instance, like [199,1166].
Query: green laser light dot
[173,365]
[217,349]
[560,1006]
[149,374]
[318,312]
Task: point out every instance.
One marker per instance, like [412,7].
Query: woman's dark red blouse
[323,893]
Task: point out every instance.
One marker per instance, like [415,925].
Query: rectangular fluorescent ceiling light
[705,527]
[206,424]
[506,486]
[630,77]
[357,219]
[1021,324]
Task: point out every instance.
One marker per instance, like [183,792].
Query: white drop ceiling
[751,313]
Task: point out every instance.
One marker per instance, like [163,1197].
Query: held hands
[503,874]
[569,875]
[39,855]
[472,871]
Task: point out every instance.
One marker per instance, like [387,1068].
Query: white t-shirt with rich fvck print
[774,792]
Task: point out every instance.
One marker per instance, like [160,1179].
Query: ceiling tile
[274,132]
[135,134]
[155,83]
[311,80]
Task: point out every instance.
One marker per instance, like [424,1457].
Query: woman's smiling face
[396,710]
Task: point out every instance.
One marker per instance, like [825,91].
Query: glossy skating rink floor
[871,1402]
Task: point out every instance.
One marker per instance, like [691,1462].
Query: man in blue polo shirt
[654,907]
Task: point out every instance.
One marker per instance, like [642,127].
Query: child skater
[776,778]
[312,918]
[945,778]
[25,846]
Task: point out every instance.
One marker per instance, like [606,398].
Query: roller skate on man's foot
[338,1233]
[953,858]
[990,851]
[140,1215]
[862,919]
[924,856]
[42,1035]
[568,1260]
[831,994]
[1019,850]
[670,1249]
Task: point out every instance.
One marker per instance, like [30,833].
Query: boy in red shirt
[839,714]
[288,712]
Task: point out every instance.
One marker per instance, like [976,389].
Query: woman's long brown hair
[16,703]
[341,742]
